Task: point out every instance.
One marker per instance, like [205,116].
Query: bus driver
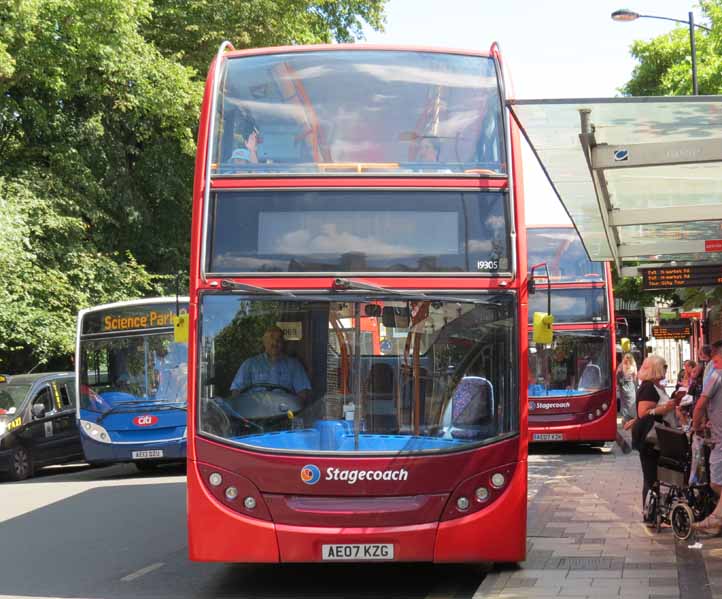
[272,367]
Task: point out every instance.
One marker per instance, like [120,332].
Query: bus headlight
[231,493]
[95,432]
[497,480]
[215,479]
[462,503]
[604,406]
[482,494]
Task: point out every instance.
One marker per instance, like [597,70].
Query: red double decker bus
[571,382]
[358,310]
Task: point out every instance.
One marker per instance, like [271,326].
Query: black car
[37,422]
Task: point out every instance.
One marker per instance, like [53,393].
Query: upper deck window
[564,254]
[396,112]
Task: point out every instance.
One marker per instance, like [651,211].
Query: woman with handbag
[653,404]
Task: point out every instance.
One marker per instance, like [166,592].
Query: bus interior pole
[357,373]
[177,293]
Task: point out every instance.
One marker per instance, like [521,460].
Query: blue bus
[131,382]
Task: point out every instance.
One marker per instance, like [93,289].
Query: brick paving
[586,538]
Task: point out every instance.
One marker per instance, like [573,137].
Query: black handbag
[643,432]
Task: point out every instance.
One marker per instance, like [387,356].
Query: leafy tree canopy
[99,103]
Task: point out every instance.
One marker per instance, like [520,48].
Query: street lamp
[629,15]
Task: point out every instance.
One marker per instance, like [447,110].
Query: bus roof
[354,48]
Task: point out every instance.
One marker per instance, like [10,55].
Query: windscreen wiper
[340,284]
[233,285]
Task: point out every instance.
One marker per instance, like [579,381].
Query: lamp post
[629,15]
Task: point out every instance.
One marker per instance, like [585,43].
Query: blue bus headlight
[95,432]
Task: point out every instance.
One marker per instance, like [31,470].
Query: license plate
[147,453]
[547,437]
[357,552]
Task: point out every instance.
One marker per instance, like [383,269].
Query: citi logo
[310,474]
[145,420]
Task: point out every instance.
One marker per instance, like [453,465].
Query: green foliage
[99,103]
[193,31]
[665,63]
[630,289]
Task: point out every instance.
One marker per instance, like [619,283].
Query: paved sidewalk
[586,537]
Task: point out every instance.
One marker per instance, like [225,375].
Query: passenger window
[45,399]
[65,397]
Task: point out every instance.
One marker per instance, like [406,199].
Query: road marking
[142,572]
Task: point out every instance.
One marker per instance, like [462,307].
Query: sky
[551,48]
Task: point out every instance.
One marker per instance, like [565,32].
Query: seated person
[272,367]
[429,150]
[251,139]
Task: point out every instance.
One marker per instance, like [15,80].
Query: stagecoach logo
[145,420]
[310,474]
[549,405]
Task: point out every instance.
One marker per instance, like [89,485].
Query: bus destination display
[671,277]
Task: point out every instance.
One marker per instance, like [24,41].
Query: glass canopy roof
[640,177]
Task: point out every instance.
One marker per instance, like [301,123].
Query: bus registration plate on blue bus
[147,453]
[357,551]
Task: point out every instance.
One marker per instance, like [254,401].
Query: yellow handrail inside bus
[358,167]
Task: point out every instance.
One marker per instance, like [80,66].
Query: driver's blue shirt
[260,370]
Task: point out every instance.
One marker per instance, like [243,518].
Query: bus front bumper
[219,534]
[103,453]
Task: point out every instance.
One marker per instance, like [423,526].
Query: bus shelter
[640,179]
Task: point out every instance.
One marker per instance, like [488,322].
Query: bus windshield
[359,111]
[359,231]
[562,251]
[357,374]
[125,371]
[577,363]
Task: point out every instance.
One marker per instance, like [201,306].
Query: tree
[193,31]
[99,104]
[664,67]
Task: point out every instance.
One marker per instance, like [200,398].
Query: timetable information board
[673,330]
[672,277]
